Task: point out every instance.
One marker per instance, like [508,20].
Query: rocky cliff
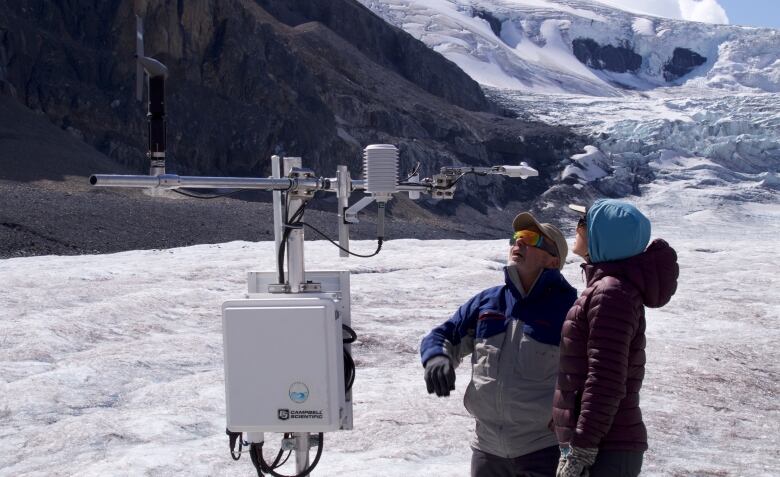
[318,79]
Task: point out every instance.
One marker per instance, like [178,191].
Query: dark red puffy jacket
[602,363]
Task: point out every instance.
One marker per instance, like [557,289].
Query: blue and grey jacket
[513,341]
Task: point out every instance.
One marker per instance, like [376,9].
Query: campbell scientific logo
[299,392]
[304,414]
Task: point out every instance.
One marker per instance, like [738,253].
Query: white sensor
[380,168]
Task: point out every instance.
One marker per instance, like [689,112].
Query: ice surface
[736,135]
[112,364]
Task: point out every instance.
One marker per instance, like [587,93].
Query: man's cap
[549,231]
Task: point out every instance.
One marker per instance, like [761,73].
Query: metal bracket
[415,179]
[350,215]
[288,443]
[278,288]
[444,187]
[301,173]
[310,287]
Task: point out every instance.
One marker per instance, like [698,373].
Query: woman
[602,354]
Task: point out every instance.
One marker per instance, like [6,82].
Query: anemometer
[298,320]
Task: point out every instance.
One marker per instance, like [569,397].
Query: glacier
[722,114]
[112,364]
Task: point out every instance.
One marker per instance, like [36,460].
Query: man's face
[531,259]
[581,241]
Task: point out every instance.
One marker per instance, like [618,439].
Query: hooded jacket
[513,341]
[602,356]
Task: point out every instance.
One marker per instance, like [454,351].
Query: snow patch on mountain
[588,166]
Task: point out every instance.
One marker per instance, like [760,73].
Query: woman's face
[581,242]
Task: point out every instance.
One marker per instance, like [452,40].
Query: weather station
[288,363]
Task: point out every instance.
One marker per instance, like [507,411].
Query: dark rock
[385,45]
[683,61]
[618,59]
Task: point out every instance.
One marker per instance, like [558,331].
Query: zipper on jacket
[511,350]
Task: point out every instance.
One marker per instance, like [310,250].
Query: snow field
[112,364]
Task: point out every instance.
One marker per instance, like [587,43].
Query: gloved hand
[439,375]
[577,462]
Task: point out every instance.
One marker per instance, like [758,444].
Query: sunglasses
[532,239]
[582,222]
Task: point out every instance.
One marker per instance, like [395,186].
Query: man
[596,407]
[512,332]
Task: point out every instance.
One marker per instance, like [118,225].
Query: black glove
[439,375]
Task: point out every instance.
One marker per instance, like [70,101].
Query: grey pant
[541,463]
[617,464]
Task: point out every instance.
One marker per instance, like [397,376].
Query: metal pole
[172,181]
[342,194]
[295,272]
[301,451]
[276,173]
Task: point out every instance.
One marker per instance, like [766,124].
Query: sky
[760,13]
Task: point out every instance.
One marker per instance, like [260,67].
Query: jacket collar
[546,277]
[653,272]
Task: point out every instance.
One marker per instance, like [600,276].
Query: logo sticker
[299,392]
[306,414]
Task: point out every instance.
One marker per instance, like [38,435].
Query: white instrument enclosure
[284,364]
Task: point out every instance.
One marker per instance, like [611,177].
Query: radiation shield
[284,365]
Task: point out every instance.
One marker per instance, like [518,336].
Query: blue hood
[616,230]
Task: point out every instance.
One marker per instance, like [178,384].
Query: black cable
[461,177]
[276,463]
[349,363]
[351,333]
[444,187]
[280,256]
[413,173]
[256,452]
[196,195]
[276,466]
[378,247]
[349,371]
[288,227]
[256,455]
[233,437]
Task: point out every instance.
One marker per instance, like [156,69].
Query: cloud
[707,11]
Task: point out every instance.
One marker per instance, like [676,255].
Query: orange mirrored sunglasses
[532,239]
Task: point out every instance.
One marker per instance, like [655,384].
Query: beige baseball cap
[549,231]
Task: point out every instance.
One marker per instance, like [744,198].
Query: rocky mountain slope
[318,79]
